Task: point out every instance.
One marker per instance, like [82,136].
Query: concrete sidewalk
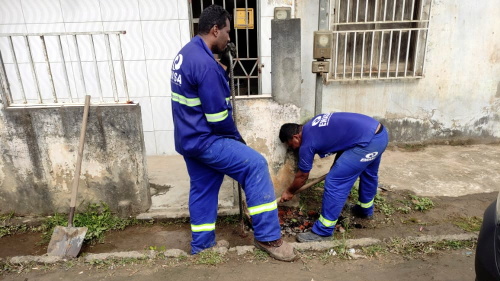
[432,171]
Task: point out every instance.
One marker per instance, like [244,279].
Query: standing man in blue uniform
[206,135]
[358,141]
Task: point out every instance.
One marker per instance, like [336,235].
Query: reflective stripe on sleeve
[327,223]
[203,227]
[255,210]
[185,101]
[366,205]
[216,117]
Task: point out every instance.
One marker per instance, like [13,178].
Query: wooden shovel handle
[311,183]
[74,190]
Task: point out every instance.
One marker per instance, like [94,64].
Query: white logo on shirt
[316,120]
[322,120]
[177,62]
[369,157]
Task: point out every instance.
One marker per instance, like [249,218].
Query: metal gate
[246,65]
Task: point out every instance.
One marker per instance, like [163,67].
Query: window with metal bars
[378,39]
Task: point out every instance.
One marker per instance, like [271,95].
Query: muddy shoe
[277,249]
[312,237]
[357,211]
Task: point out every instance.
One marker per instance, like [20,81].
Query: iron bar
[111,68]
[96,68]
[124,76]
[65,70]
[18,73]
[49,70]
[33,70]
[82,78]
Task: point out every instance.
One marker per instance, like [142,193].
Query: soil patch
[440,219]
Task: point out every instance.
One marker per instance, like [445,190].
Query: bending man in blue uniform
[206,135]
[358,141]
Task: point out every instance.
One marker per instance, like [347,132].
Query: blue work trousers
[362,162]
[245,165]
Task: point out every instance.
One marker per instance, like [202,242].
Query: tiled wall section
[156,30]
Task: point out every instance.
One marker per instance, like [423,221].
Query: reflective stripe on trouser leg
[339,181]
[203,201]
[368,180]
[338,184]
[249,168]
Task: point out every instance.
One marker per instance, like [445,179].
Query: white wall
[156,30]
[461,88]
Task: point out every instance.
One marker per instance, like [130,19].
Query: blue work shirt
[330,133]
[201,106]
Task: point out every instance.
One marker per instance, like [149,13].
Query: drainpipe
[322,25]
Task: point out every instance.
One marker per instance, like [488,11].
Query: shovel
[67,241]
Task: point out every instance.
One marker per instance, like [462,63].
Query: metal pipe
[399,52]
[82,78]
[416,54]
[336,55]
[18,73]
[389,56]
[371,54]
[407,51]
[33,70]
[403,11]
[124,76]
[380,56]
[347,11]
[65,70]
[46,56]
[363,53]
[426,39]
[354,55]
[357,10]
[111,68]
[345,52]
[5,89]
[394,11]
[385,10]
[61,33]
[96,68]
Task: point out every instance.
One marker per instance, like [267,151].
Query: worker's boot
[312,237]
[358,212]
[277,249]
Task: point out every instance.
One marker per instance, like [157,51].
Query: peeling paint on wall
[39,148]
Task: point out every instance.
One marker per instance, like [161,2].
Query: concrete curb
[241,250]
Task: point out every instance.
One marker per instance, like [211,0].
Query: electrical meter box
[320,66]
[323,44]
[282,13]
[243,18]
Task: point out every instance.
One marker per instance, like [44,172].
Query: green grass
[209,257]
[260,255]
[97,218]
[469,224]
[6,229]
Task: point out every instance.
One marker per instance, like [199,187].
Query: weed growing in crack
[469,224]
[421,203]
[374,250]
[209,257]
[97,218]
[260,255]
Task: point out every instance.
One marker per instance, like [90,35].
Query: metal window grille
[247,65]
[38,69]
[379,39]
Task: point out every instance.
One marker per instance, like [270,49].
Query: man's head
[214,27]
[291,135]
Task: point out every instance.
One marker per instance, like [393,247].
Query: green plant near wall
[97,218]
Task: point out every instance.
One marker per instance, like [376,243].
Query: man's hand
[286,196]
[225,57]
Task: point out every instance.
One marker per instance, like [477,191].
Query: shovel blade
[66,241]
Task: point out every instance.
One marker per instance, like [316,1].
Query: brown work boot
[277,249]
